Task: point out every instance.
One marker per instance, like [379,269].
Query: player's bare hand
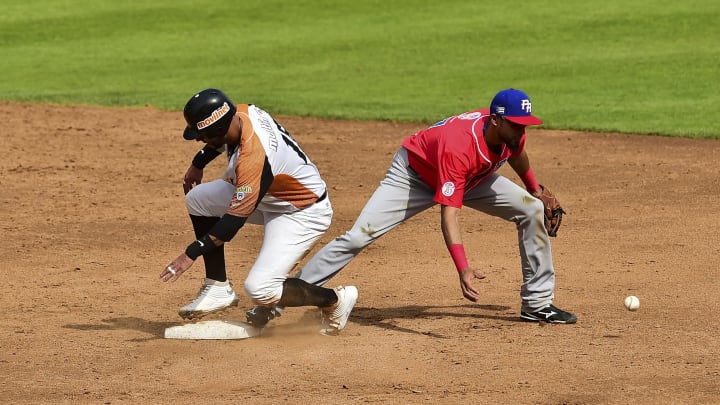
[466,283]
[174,270]
[193,177]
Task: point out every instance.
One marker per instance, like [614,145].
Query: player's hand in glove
[553,210]
[467,277]
[192,178]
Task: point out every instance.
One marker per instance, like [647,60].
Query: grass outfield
[636,67]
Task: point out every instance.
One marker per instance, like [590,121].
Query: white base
[212,330]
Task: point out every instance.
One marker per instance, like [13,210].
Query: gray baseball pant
[402,194]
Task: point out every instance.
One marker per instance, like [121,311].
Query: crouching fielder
[269,181]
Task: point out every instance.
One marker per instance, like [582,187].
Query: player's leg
[206,203]
[335,304]
[288,238]
[500,197]
[401,195]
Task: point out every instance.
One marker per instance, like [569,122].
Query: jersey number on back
[291,142]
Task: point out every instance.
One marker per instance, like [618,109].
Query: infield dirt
[92,209]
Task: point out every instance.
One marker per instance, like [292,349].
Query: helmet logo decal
[214,117]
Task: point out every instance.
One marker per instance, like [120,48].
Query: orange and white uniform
[296,182]
[269,181]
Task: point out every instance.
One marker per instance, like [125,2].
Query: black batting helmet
[209,112]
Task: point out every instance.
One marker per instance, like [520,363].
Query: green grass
[635,67]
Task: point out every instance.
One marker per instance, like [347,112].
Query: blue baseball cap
[515,106]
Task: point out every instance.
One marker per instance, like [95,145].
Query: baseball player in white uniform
[269,181]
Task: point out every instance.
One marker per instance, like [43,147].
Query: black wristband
[205,156]
[200,247]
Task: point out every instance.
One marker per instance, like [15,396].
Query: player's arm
[229,225]
[521,165]
[206,155]
[223,231]
[194,174]
[450,224]
[239,210]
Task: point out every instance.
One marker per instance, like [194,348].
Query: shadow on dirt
[157,329]
[387,318]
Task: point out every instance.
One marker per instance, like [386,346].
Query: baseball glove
[553,210]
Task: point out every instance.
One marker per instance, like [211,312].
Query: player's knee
[531,211]
[356,240]
[192,202]
[263,292]
[536,210]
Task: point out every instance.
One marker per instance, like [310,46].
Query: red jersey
[451,156]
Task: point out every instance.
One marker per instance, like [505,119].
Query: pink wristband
[457,252]
[529,180]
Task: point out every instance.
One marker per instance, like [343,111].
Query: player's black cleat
[260,316]
[549,314]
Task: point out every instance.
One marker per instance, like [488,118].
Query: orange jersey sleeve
[248,172]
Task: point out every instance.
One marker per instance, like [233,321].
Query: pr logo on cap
[526,106]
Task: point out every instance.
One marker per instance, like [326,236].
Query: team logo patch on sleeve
[448,189]
[470,115]
[241,191]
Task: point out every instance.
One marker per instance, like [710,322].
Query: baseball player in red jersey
[269,181]
[454,163]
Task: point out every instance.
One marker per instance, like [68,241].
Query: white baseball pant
[288,237]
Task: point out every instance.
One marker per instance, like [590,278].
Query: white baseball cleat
[213,296]
[335,317]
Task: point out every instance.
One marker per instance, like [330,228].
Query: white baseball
[632,303]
